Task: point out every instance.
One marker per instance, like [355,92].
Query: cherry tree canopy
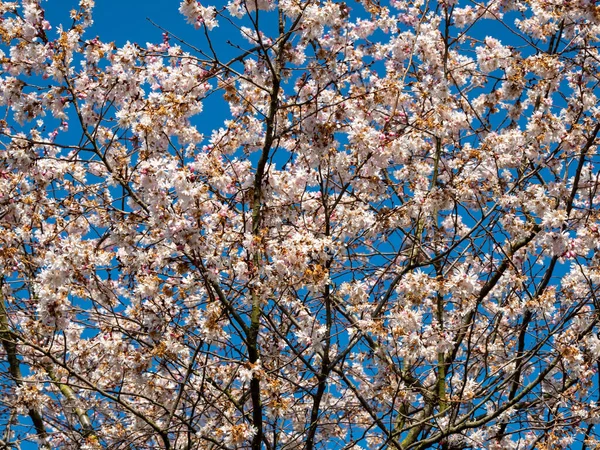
[387,241]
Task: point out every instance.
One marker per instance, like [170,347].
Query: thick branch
[14,365]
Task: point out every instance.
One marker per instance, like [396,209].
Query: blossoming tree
[387,242]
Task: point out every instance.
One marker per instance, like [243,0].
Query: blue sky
[126,20]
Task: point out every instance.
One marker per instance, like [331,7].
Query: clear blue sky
[125,20]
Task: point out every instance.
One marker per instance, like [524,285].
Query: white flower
[198,15]
[554,218]
[236,435]
[493,55]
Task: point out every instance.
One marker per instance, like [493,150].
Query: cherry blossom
[388,238]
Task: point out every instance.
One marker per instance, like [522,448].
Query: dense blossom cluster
[389,241]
